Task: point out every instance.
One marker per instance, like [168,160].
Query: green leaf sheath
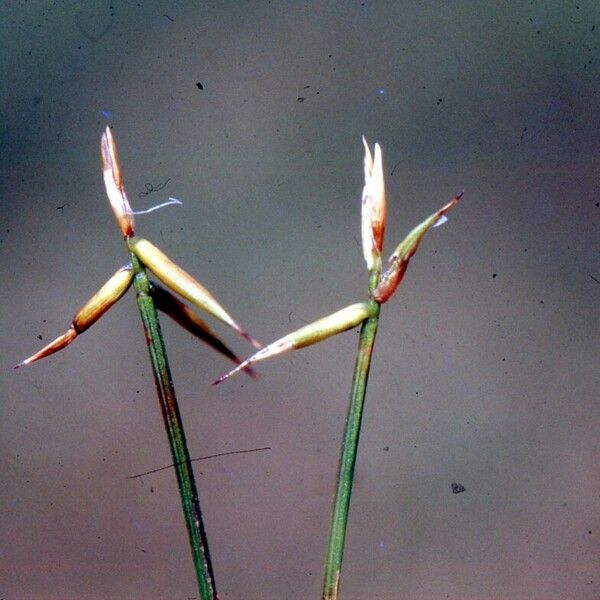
[339,516]
[174,427]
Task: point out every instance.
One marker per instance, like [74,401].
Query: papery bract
[373,207]
[113,182]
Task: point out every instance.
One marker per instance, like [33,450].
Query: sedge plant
[382,283]
[144,257]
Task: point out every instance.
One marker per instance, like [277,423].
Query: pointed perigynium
[113,182]
[373,207]
[91,311]
[398,261]
[183,283]
[319,330]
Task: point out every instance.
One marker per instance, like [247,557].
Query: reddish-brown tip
[251,339]
[58,344]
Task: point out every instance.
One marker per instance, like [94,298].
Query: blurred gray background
[486,365]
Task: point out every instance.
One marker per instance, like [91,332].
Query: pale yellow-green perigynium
[373,219]
[342,320]
[156,261]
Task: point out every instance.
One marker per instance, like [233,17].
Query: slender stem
[174,427]
[341,506]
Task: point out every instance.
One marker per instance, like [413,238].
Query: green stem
[341,506]
[174,427]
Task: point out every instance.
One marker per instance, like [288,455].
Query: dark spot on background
[457,488]
[199,86]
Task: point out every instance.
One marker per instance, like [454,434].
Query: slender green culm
[345,476]
[174,427]
[383,282]
[144,255]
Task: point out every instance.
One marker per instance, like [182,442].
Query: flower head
[144,254]
[381,286]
